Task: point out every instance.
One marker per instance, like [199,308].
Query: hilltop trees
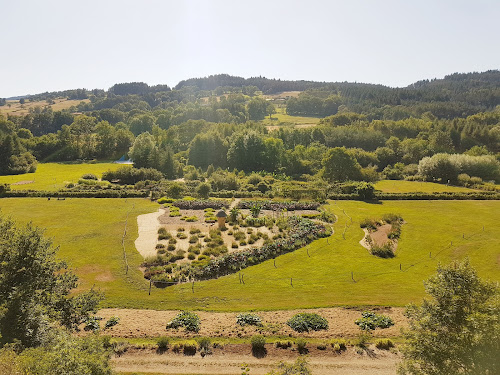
[457,330]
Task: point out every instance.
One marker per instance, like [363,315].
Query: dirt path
[229,360]
[148,225]
[151,323]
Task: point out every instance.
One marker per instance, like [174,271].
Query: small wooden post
[400,266]
[275,263]
[308,252]
[149,287]
[291,282]
[430,254]
[352,276]
[192,286]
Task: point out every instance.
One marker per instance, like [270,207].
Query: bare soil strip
[151,323]
[228,361]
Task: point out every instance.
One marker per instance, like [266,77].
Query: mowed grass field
[53,176]
[329,272]
[298,121]
[19,109]
[401,186]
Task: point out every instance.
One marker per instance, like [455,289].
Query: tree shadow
[259,352]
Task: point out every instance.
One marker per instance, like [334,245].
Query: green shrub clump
[187,319]
[305,322]
[370,321]
[163,343]
[384,344]
[248,319]
[258,344]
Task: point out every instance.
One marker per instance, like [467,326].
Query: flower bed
[302,232]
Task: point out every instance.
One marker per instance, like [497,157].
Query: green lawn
[281,116]
[89,233]
[53,176]
[401,186]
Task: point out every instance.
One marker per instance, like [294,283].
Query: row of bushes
[76,194]
[280,206]
[200,204]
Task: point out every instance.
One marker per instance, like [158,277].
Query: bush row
[199,204]
[76,194]
[280,206]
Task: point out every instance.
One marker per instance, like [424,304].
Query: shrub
[283,344]
[189,320]
[338,345]
[163,343]
[301,345]
[248,319]
[111,322]
[234,245]
[181,236]
[189,347]
[159,246]
[258,344]
[204,345]
[172,241]
[164,200]
[384,344]
[89,176]
[191,256]
[92,324]
[305,322]
[370,321]
[193,239]
[194,231]
[321,346]
[171,247]
[384,251]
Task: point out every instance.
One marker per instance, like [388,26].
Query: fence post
[291,282]
[275,263]
[192,287]
[149,287]
[352,276]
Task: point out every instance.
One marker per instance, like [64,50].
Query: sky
[57,45]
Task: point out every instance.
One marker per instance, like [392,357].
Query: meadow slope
[329,272]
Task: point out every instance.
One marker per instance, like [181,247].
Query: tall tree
[340,165]
[457,330]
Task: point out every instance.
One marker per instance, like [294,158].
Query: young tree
[457,331]
[35,287]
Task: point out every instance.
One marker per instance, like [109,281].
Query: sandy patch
[151,323]
[229,360]
[148,225]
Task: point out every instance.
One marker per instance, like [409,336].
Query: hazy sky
[64,44]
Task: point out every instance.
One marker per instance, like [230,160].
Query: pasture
[54,176]
[280,118]
[13,107]
[329,272]
[401,186]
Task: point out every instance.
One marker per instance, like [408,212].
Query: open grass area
[19,109]
[53,176]
[401,186]
[281,117]
[89,232]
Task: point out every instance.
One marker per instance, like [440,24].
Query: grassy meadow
[19,109]
[401,186]
[54,176]
[89,233]
[281,117]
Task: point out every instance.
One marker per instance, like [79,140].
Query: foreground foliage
[35,287]
[457,331]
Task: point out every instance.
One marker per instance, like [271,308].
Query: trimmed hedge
[118,193]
